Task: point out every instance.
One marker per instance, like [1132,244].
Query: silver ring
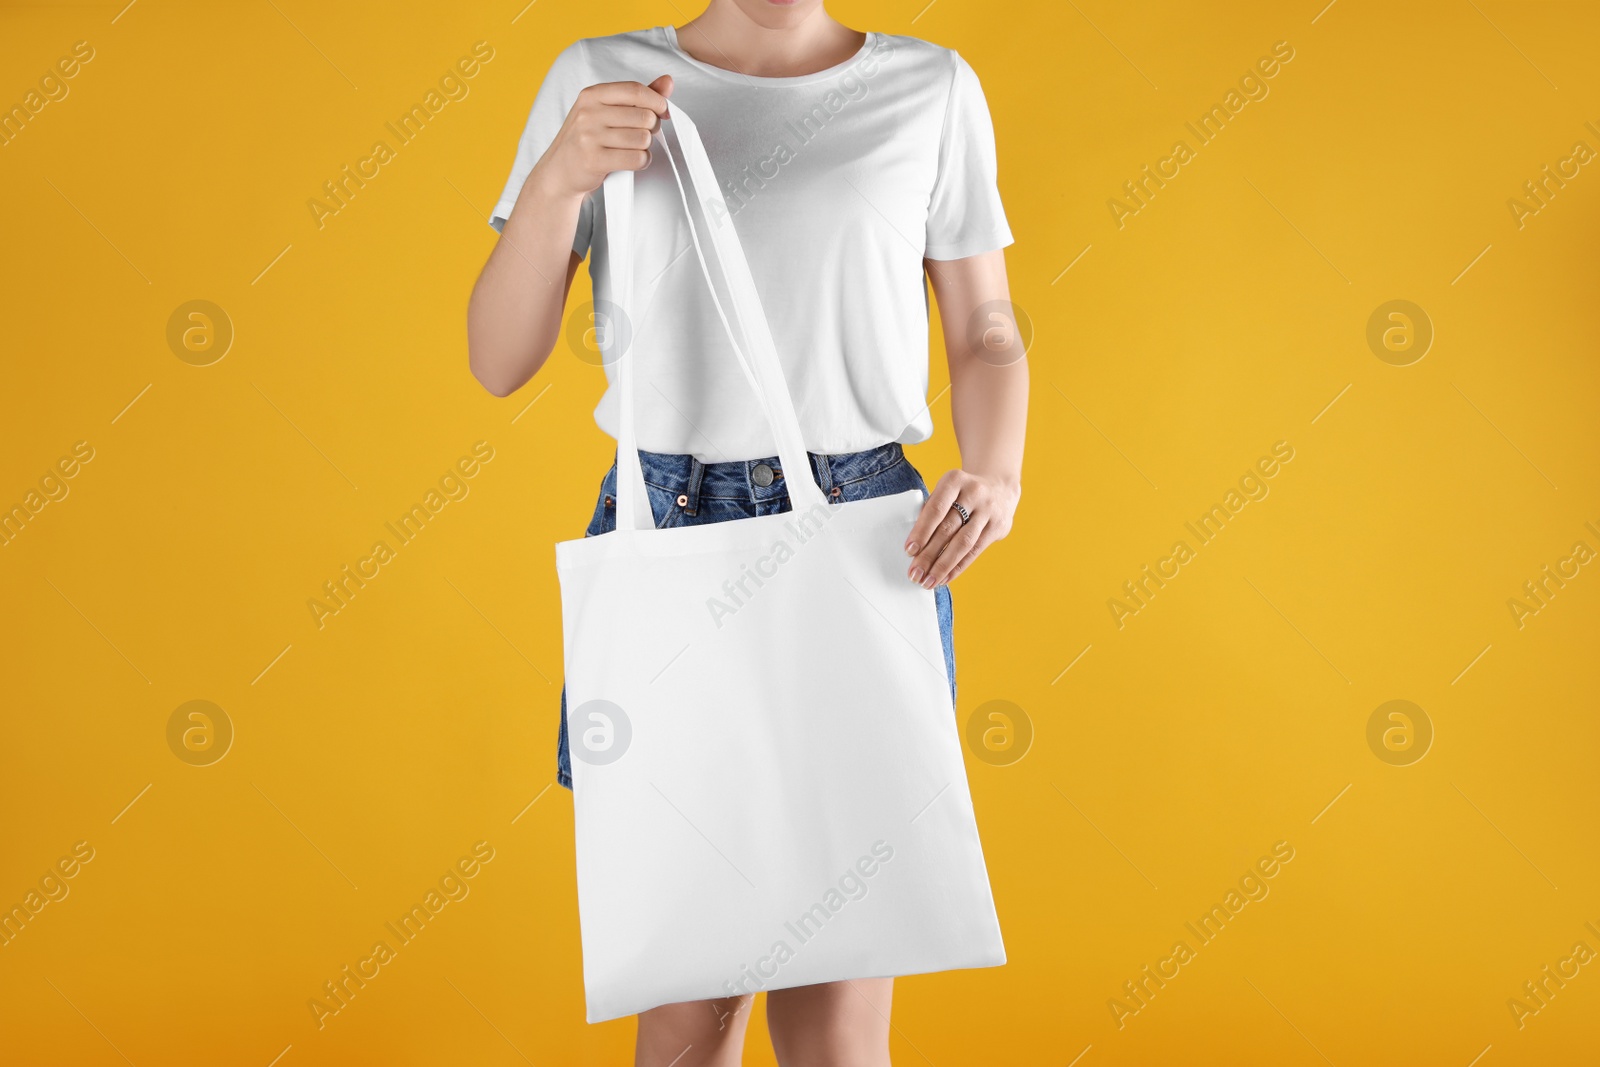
[963,512]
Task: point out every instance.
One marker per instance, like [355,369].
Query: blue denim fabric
[718,492]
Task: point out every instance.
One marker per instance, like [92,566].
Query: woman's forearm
[989,409]
[972,508]
[988,369]
[514,315]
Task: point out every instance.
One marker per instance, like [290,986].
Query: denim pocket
[898,477]
[664,508]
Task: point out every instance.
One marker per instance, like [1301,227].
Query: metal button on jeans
[761,474]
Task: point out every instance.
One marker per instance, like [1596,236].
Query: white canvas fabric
[769,793]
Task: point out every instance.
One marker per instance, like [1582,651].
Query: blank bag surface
[768,780]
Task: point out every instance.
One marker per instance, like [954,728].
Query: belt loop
[697,471]
[823,467]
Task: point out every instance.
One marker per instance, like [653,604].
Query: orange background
[1228,714]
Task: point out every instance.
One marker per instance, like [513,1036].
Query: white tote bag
[769,788]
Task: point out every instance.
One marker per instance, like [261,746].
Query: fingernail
[916,575]
[911,548]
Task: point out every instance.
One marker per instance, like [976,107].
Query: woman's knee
[701,1033]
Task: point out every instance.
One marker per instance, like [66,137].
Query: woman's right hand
[609,128]
[514,316]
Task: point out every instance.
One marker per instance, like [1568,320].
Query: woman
[852,163]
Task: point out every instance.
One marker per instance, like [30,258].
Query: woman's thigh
[701,1033]
[832,1023]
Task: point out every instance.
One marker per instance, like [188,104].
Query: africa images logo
[798,131]
[736,591]
[852,885]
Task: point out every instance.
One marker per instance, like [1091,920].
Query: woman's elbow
[503,357]
[504,371]
[497,388]
[494,379]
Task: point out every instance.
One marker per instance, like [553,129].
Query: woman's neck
[725,36]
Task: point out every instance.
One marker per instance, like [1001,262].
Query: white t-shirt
[839,184]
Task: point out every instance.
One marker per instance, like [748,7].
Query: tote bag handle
[757,355]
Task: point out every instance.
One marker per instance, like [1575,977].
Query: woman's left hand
[941,544]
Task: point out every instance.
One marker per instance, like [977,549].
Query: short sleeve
[965,216]
[567,77]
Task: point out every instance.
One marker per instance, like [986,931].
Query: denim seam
[664,488]
[873,474]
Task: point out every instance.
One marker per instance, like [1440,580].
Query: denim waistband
[740,479]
